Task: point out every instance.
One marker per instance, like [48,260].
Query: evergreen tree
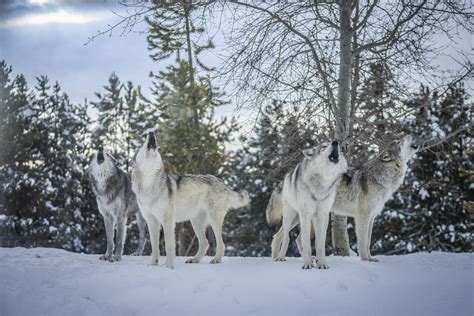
[188,148]
[429,213]
[280,136]
[17,191]
[111,120]
[42,174]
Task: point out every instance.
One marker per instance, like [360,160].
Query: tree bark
[340,237]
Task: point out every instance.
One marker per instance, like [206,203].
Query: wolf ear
[308,153]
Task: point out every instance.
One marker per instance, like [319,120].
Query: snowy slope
[57,282]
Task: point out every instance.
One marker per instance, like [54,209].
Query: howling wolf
[308,193]
[361,194]
[165,199]
[116,202]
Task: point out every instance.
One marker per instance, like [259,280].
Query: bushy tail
[274,211]
[238,199]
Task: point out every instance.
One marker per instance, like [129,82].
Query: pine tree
[188,148]
[17,191]
[111,121]
[428,214]
[276,147]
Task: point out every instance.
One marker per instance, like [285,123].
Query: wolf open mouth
[334,156]
[151,141]
[100,155]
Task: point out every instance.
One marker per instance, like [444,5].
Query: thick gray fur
[116,202]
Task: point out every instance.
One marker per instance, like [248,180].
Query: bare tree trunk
[340,237]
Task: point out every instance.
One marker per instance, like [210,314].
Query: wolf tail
[274,211]
[238,199]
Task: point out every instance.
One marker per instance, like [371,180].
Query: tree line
[309,70]
[47,142]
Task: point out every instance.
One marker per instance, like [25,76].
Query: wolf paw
[135,254]
[307,266]
[109,258]
[192,260]
[154,262]
[118,257]
[215,261]
[169,265]
[322,265]
[279,259]
[370,259]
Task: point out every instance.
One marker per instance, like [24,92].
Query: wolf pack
[320,184]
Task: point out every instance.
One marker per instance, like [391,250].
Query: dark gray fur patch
[179,181]
[169,185]
[349,175]
[297,173]
[364,184]
[117,185]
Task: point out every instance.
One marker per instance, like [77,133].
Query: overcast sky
[47,37]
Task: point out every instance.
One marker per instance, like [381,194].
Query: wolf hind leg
[362,231]
[276,242]
[278,239]
[199,224]
[289,216]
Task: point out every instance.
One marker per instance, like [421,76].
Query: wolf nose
[100,156]
[151,141]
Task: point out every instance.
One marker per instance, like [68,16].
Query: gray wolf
[361,194]
[165,199]
[308,193]
[116,203]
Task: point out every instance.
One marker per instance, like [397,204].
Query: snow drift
[57,282]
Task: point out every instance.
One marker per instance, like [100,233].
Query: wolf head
[102,164]
[401,151]
[327,157]
[148,157]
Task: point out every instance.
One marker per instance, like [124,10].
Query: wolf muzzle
[151,141]
[334,156]
[100,155]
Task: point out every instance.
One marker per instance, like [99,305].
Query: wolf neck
[320,184]
[391,176]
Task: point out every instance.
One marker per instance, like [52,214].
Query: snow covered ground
[57,282]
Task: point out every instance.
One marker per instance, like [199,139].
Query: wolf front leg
[362,222]
[109,222]
[320,225]
[141,223]
[121,234]
[154,228]
[305,222]
[170,241]
[369,238]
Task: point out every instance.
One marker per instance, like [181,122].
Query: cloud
[58,16]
